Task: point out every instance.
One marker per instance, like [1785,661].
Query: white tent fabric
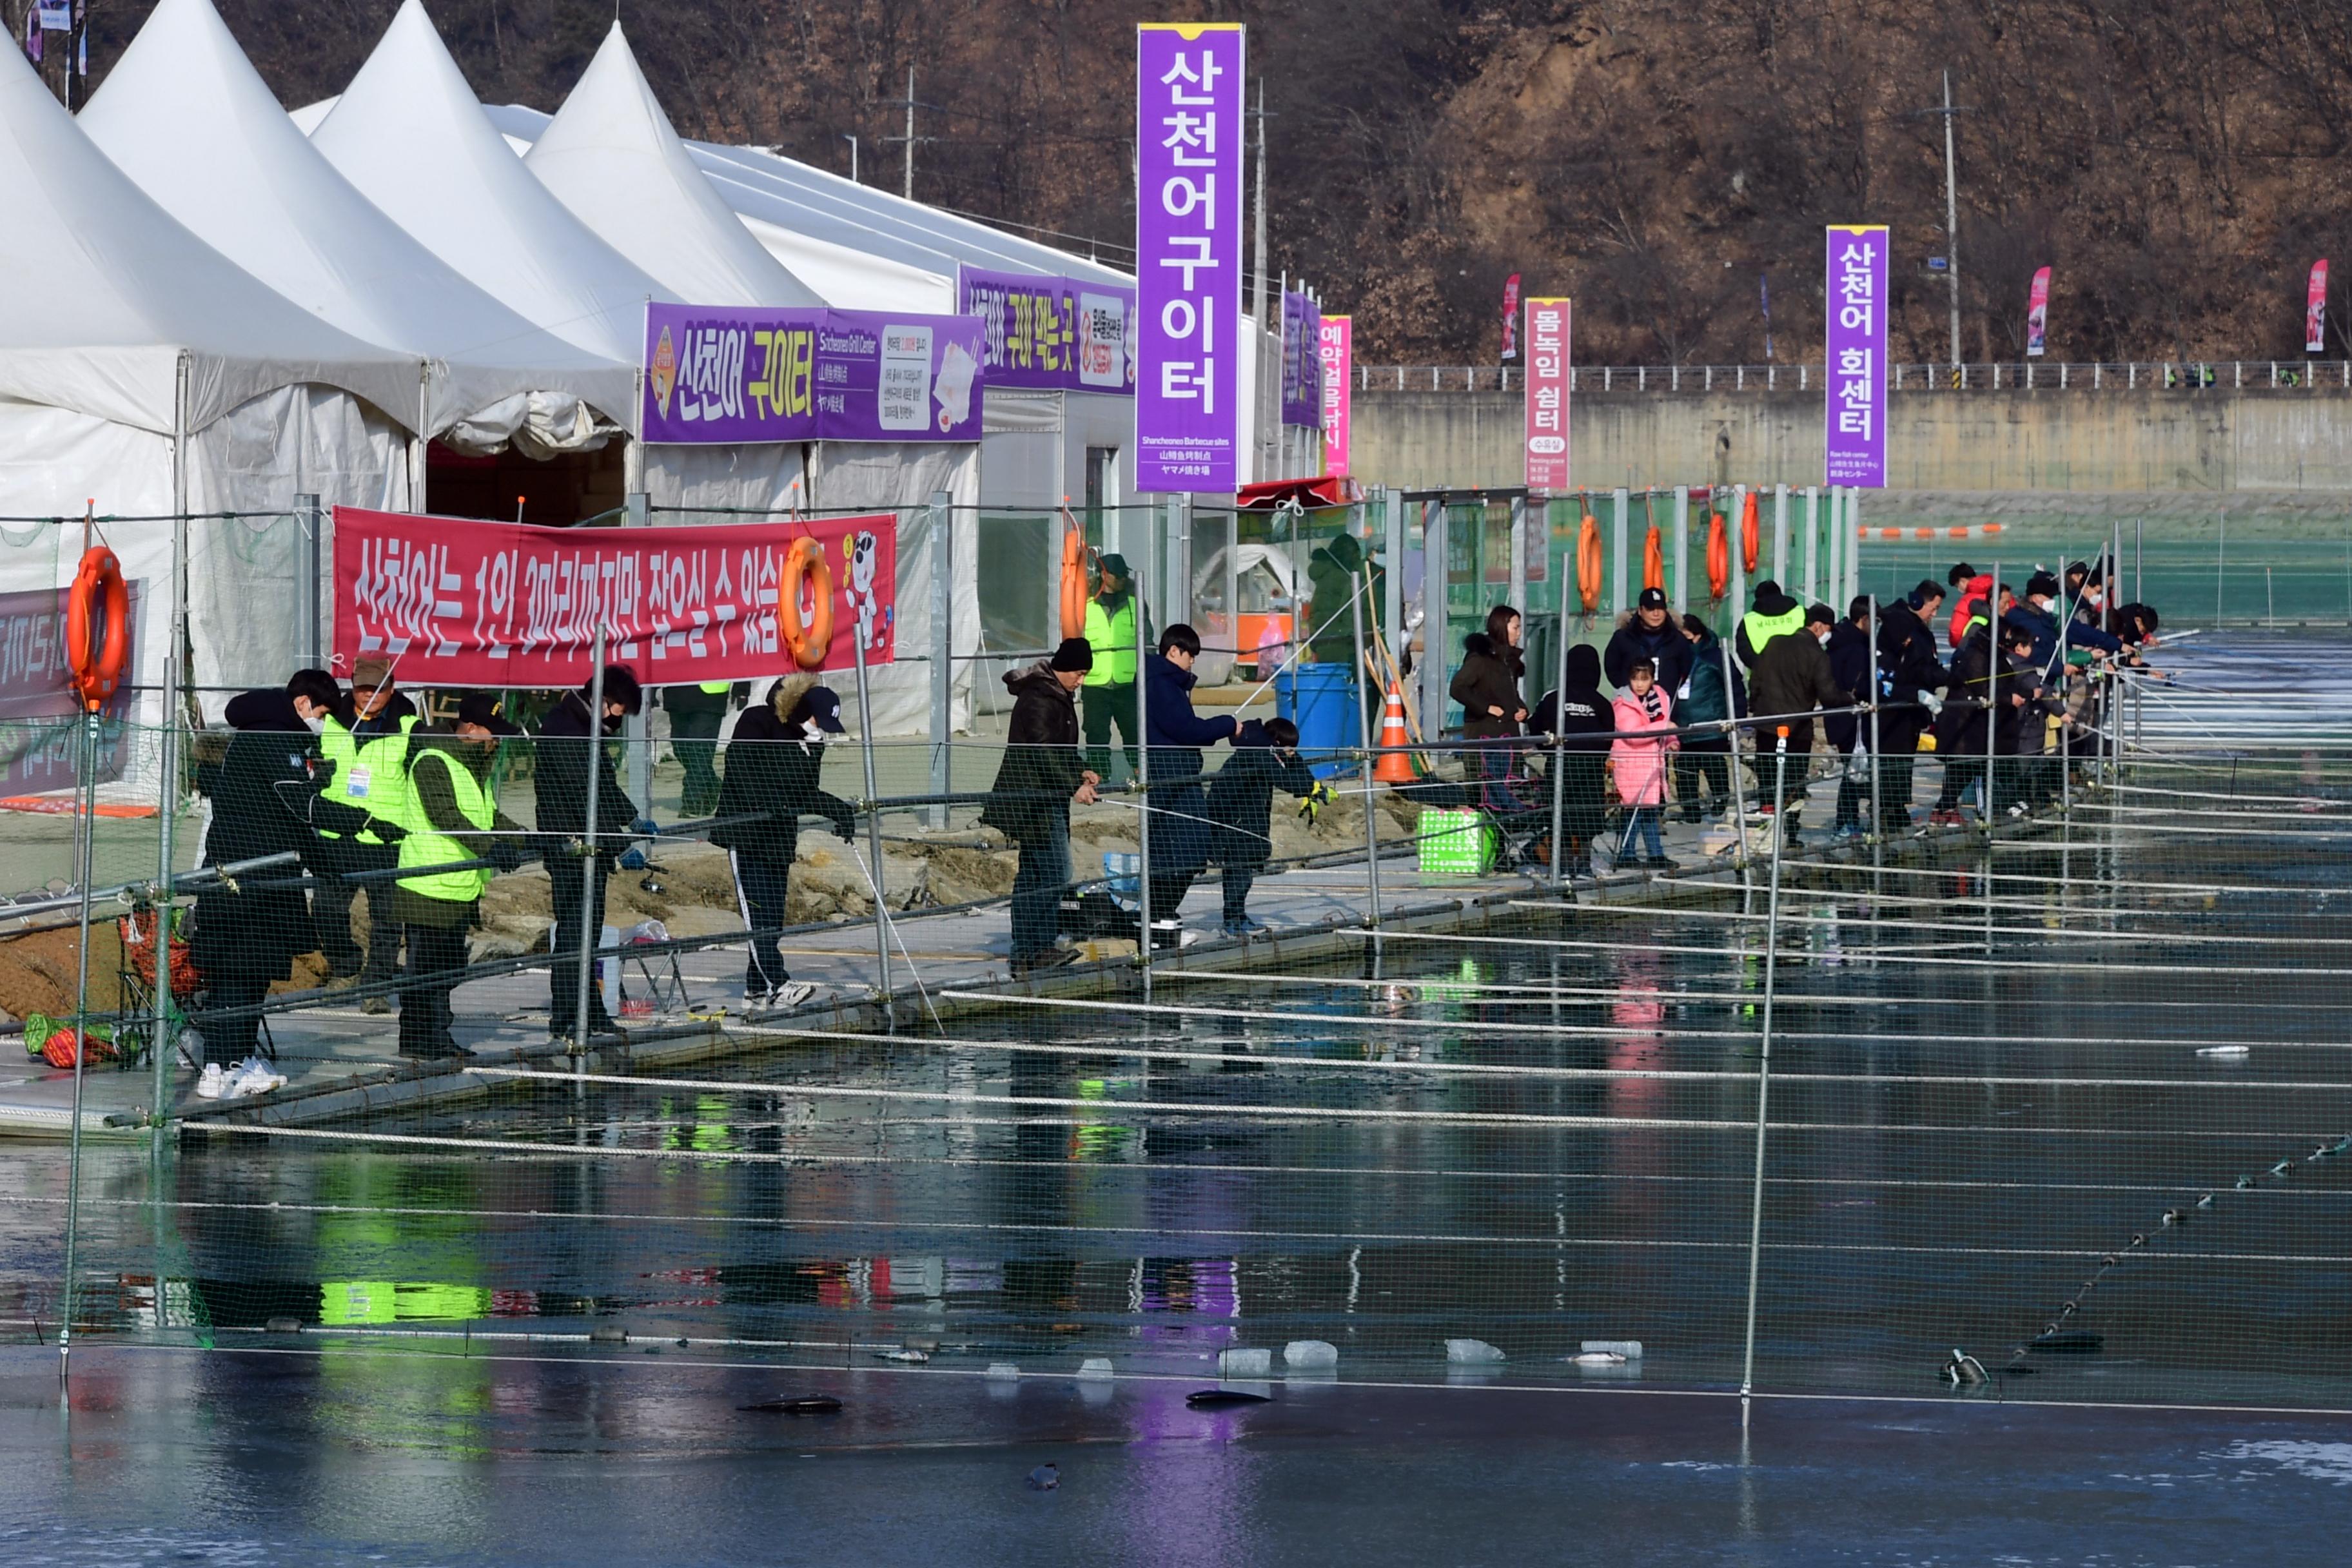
[408,133]
[185,115]
[142,370]
[850,278]
[612,157]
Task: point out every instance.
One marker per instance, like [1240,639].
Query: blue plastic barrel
[1320,699]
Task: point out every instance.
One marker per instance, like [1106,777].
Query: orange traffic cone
[1395,765]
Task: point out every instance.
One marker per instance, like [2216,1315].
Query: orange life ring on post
[1074,584]
[1588,563]
[1718,557]
[1751,534]
[98,594]
[1653,561]
[804,561]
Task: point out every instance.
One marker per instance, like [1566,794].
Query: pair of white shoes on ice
[251,1076]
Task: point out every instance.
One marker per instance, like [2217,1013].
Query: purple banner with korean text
[1855,447]
[729,375]
[1056,334]
[1188,242]
[1302,361]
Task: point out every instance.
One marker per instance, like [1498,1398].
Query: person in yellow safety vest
[452,818]
[363,745]
[1775,614]
[1109,689]
[697,714]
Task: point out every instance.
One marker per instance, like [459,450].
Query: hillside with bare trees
[2179,163]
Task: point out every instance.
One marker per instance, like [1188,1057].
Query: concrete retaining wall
[2214,441]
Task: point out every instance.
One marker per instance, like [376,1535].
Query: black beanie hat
[1074,653]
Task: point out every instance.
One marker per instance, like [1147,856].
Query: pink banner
[1510,318]
[461,602]
[1547,400]
[2315,309]
[2037,314]
[1337,344]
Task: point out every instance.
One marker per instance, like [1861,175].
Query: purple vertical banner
[1854,442]
[1302,361]
[1188,263]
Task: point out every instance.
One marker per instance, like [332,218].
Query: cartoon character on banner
[865,557]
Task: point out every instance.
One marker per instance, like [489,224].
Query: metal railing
[2028,375]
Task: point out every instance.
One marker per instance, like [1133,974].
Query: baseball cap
[823,705]
[482,708]
[1653,599]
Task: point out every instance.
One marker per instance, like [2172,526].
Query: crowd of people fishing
[1801,688]
[350,783]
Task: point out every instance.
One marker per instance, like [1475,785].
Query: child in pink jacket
[1639,762]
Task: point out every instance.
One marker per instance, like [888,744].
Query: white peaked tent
[611,155]
[184,114]
[142,369]
[408,133]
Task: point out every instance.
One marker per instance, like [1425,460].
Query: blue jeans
[1238,892]
[1037,888]
[1644,820]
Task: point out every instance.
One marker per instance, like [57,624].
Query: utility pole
[1258,292]
[1952,216]
[909,190]
[907,176]
[853,156]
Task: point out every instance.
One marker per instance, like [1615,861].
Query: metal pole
[1992,730]
[1852,546]
[874,831]
[2220,557]
[1393,600]
[906,187]
[1560,743]
[1364,736]
[1812,539]
[307,507]
[1951,216]
[1738,790]
[86,854]
[1517,575]
[163,1048]
[591,870]
[1144,773]
[1257,288]
[1764,1066]
[943,654]
[1680,548]
[1877,804]
[1434,631]
[1780,535]
[1624,510]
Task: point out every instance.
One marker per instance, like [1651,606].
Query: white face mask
[316,719]
[1824,639]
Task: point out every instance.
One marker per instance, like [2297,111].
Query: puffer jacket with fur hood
[771,771]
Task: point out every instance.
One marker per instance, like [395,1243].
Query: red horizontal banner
[463,602]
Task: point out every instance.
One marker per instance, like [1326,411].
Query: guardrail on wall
[2198,375]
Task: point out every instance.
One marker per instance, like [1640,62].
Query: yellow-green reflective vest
[374,777]
[715,687]
[1112,637]
[427,846]
[1762,628]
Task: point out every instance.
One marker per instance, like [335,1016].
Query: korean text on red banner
[460,602]
[1547,395]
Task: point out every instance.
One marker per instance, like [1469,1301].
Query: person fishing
[1110,636]
[1044,772]
[452,818]
[571,742]
[773,763]
[364,741]
[1177,736]
[1241,800]
[1911,681]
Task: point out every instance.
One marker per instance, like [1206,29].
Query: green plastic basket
[1455,843]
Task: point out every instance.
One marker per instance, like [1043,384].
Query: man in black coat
[1043,771]
[1241,799]
[565,753]
[1910,677]
[1651,633]
[247,934]
[772,765]
[1793,678]
[1850,668]
[1175,738]
[1585,720]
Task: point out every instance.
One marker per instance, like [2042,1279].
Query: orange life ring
[1719,556]
[1751,534]
[809,639]
[96,656]
[1074,583]
[1588,563]
[1653,561]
